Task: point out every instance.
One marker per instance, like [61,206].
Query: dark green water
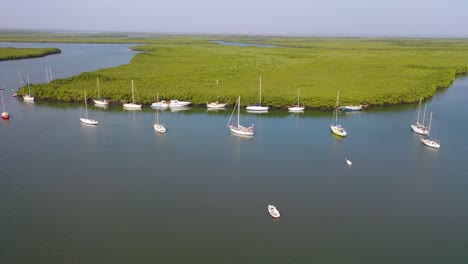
[121,193]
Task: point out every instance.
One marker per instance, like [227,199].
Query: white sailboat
[336,127]
[258,107]
[420,128]
[159,104]
[428,140]
[86,118]
[239,129]
[132,105]
[217,104]
[28,97]
[273,211]
[5,114]
[298,107]
[159,127]
[100,101]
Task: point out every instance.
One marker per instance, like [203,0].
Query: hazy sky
[275,17]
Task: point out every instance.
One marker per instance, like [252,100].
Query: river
[121,193]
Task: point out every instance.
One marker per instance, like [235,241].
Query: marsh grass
[366,71]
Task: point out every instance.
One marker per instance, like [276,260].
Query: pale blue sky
[272,17]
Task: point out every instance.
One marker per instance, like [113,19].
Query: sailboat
[132,105]
[5,114]
[28,97]
[159,104]
[99,101]
[428,140]
[258,107]
[420,128]
[159,127]
[217,104]
[239,129]
[298,107]
[86,119]
[336,127]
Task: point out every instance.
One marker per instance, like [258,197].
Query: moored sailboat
[428,140]
[86,119]
[258,107]
[159,127]
[100,101]
[5,114]
[132,105]
[217,104]
[336,127]
[239,129]
[420,128]
[298,107]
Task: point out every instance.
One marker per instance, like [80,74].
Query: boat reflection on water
[178,109]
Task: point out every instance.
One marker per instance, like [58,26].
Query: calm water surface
[121,193]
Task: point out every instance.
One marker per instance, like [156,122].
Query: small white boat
[298,107]
[273,211]
[258,107]
[159,104]
[217,104]
[5,114]
[239,129]
[100,101]
[86,119]
[132,105]
[177,103]
[429,141]
[349,162]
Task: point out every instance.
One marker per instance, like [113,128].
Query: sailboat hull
[257,108]
[89,121]
[132,106]
[28,98]
[240,130]
[159,128]
[419,129]
[430,143]
[101,102]
[215,105]
[296,108]
[338,130]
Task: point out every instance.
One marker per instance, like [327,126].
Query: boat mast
[3,103]
[133,96]
[298,89]
[86,105]
[260,89]
[430,123]
[217,91]
[336,108]
[97,83]
[238,113]
[424,115]
[419,111]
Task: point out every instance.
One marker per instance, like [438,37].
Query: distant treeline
[10,53]
[373,71]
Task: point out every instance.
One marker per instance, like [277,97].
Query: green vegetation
[23,53]
[366,70]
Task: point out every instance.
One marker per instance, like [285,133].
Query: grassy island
[25,53]
[373,71]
